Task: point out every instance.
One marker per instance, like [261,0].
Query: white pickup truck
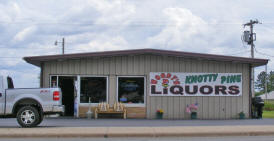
[28,105]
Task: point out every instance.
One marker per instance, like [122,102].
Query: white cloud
[104,44]
[114,12]
[29,28]
[9,11]
[20,36]
[22,78]
[183,27]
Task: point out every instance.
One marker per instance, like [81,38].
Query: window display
[131,90]
[94,88]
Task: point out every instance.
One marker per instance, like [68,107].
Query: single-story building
[268,96]
[147,80]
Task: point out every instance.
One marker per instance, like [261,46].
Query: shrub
[269,106]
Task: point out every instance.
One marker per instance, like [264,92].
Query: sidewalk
[70,127]
[165,131]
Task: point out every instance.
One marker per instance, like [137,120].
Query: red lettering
[157,77]
[153,81]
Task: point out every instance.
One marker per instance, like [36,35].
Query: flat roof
[269,95]
[37,60]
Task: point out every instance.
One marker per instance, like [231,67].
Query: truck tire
[28,116]
[41,118]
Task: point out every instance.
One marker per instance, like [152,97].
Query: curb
[134,135]
[106,132]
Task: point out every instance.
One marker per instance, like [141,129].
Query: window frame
[107,90]
[79,87]
[57,80]
[58,75]
[135,104]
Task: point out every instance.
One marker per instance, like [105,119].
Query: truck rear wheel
[41,118]
[28,116]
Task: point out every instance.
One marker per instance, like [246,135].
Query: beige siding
[142,65]
[154,101]
[222,99]
[211,100]
[189,98]
[246,90]
[112,90]
[182,100]
[176,100]
[148,98]
[170,99]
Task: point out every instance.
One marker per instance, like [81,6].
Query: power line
[239,52]
[16,70]
[94,22]
[138,23]
[11,57]
[262,53]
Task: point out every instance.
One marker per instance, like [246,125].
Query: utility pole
[250,37]
[265,84]
[63,45]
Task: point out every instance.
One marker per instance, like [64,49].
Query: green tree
[260,81]
[270,81]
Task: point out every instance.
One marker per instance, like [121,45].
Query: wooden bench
[107,110]
[110,111]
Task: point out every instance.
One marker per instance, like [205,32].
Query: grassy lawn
[268,109]
[268,114]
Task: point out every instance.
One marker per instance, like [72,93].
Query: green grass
[268,114]
[268,109]
[269,105]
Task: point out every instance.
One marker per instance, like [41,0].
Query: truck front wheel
[28,116]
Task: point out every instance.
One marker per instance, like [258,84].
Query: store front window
[131,90]
[93,89]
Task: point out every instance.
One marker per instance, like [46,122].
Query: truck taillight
[56,95]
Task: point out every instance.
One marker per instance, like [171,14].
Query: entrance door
[66,83]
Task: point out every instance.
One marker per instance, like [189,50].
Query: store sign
[195,84]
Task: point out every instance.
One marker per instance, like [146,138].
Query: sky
[30,28]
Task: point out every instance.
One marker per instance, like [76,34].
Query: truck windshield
[10,83]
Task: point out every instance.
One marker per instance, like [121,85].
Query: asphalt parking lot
[83,122]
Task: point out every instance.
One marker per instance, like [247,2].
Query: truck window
[10,83]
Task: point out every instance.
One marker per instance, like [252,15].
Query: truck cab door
[2,95]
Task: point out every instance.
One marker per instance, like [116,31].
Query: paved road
[245,138]
[71,122]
